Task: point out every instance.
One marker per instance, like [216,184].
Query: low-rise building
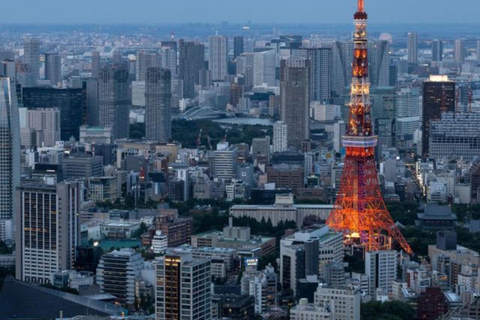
[283,210]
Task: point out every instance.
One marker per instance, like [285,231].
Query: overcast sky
[280,11]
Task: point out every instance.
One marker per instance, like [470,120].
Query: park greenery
[187,132]
[390,310]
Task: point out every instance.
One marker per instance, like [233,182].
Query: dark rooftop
[20,300]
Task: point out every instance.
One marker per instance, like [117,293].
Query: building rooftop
[20,300]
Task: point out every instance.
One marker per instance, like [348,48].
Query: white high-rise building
[412,47]
[460,51]
[280,137]
[346,302]
[9,153]
[264,68]
[225,163]
[218,57]
[381,268]
[47,229]
[182,287]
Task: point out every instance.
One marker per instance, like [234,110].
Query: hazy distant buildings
[264,68]
[412,48]
[437,50]
[31,58]
[96,65]
[438,98]
[238,46]
[158,123]
[47,229]
[146,60]
[53,68]
[320,73]
[9,151]
[342,53]
[294,92]
[379,63]
[191,61]
[218,57]
[114,100]
[460,51]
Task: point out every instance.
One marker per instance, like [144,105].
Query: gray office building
[114,100]
[191,61]
[53,68]
[158,122]
[9,149]
[82,166]
[31,58]
[294,95]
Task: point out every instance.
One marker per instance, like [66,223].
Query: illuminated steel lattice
[360,212]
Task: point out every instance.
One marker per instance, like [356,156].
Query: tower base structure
[359,211]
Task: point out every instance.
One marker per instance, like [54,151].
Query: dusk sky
[280,11]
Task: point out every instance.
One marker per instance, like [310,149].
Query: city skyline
[58,12]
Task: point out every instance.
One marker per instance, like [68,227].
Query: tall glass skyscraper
[9,154]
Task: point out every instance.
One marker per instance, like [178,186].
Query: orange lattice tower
[360,211]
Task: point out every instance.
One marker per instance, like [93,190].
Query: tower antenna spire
[361,6]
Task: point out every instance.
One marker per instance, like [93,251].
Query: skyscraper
[96,64]
[438,97]
[294,95]
[264,68]
[183,287]
[437,50]
[31,58]
[218,57]
[478,51]
[114,101]
[9,151]
[460,51]
[53,68]
[379,63]
[412,47]
[238,46]
[191,61]
[342,51]
[320,74]
[69,101]
[158,120]
[168,59]
[146,60]
[47,229]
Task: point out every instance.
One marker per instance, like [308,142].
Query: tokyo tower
[360,212]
